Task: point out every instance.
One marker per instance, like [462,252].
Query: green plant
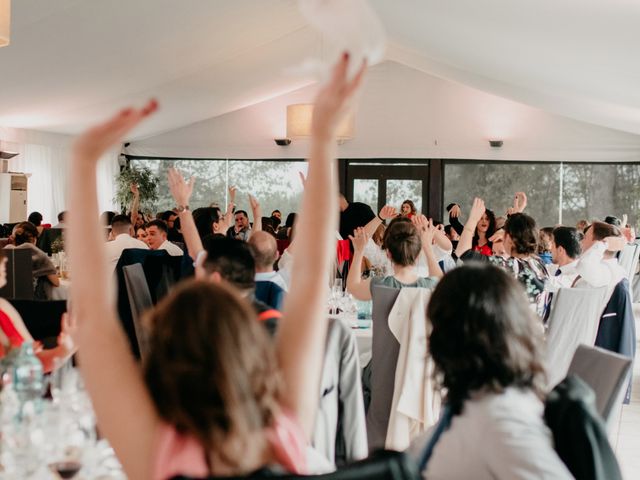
[57,245]
[147,186]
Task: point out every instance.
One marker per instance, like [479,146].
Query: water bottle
[28,378]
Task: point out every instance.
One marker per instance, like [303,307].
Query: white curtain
[45,157]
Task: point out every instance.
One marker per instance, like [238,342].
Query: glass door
[379,184]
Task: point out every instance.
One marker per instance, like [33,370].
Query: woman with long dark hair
[486,346]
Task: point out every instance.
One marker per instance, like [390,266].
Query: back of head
[569,239]
[167,214]
[105,217]
[602,230]
[24,232]
[484,335]
[232,260]
[204,219]
[35,218]
[522,230]
[213,377]
[402,241]
[121,224]
[264,248]
[615,221]
[62,215]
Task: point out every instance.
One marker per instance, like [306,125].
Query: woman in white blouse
[486,347]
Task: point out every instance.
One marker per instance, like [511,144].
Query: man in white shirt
[265,253]
[157,238]
[121,231]
[598,265]
[565,250]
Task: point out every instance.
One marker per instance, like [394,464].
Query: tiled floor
[627,443]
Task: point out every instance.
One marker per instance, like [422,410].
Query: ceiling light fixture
[299,124]
[5,22]
[496,143]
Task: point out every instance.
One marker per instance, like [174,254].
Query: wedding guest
[488,355]
[45,276]
[265,253]
[403,240]
[36,219]
[408,209]
[215,396]
[13,331]
[122,233]
[157,238]
[62,217]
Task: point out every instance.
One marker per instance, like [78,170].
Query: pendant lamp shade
[299,122]
[5,22]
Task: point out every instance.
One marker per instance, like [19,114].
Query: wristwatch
[182,208]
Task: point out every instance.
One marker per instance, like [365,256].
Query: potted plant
[147,184]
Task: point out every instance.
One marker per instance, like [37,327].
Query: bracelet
[381,219]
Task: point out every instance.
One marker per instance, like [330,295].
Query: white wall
[405,113]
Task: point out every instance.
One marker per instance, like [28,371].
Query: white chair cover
[574,320]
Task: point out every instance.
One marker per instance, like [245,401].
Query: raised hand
[455,211]
[134,190]
[253,201]
[425,228]
[97,140]
[497,237]
[477,210]
[359,239]
[303,179]
[232,193]
[388,212]
[180,190]
[520,202]
[332,101]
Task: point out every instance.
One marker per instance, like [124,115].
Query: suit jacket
[617,329]
[340,429]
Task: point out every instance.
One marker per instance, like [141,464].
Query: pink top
[177,454]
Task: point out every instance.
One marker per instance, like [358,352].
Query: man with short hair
[122,233]
[565,250]
[265,253]
[231,260]
[241,230]
[157,238]
[61,220]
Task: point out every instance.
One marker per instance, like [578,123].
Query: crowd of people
[220,394]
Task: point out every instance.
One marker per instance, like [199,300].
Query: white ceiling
[70,62]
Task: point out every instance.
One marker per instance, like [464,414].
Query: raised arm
[181,191]
[228,215]
[256,212]
[356,286]
[124,409]
[302,330]
[386,213]
[135,204]
[466,239]
[427,235]
[454,218]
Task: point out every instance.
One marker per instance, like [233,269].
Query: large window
[276,184]
[558,192]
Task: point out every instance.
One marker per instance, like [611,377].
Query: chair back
[605,372]
[41,317]
[340,432]
[574,319]
[384,358]
[139,299]
[19,275]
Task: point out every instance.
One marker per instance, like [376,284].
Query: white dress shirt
[123,241]
[272,276]
[171,248]
[563,277]
[595,271]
